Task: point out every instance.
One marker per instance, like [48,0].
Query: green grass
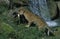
[9,29]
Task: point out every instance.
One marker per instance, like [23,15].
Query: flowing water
[40,8]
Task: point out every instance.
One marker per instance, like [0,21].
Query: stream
[40,8]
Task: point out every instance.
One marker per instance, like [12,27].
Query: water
[39,7]
[51,23]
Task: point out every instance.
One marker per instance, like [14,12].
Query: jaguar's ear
[21,9]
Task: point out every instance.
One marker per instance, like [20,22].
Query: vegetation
[9,30]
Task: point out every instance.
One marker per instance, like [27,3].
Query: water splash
[51,23]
